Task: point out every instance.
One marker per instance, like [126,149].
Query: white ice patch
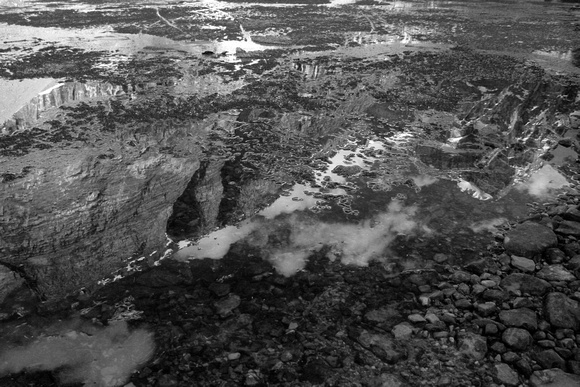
[474,190]
[543,182]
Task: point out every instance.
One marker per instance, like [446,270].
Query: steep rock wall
[78,211]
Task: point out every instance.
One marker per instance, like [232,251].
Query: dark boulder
[529,239]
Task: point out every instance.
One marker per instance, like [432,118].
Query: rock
[554,377]
[498,347]
[529,239]
[382,346]
[573,263]
[554,255]
[488,283]
[387,380]
[463,303]
[416,318]
[523,264]
[219,289]
[546,343]
[347,170]
[524,367]
[316,371]
[402,331]
[562,311]
[432,318]
[525,283]
[482,265]
[495,295]
[569,227]
[517,338]
[520,318]
[504,374]
[440,257]
[388,317]
[572,213]
[550,359]
[472,345]
[555,273]
[460,276]
[486,309]
[490,330]
[227,305]
[510,357]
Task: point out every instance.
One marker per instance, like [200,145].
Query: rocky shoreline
[511,317]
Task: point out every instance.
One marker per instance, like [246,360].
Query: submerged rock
[529,239]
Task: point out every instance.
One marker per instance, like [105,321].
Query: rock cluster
[503,319]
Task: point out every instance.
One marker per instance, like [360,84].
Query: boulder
[529,239]
[561,311]
[554,377]
[520,318]
[555,273]
[517,338]
[525,283]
